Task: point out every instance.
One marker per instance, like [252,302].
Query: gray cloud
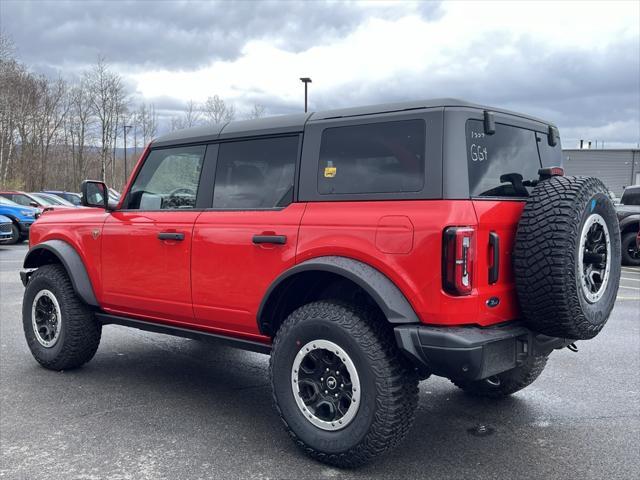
[177,34]
[584,91]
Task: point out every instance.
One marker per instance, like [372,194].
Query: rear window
[503,164]
[373,158]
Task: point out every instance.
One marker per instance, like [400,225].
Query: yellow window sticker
[329,172]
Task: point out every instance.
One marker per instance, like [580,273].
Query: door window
[168,180]
[255,174]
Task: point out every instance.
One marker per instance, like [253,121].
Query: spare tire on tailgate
[567,257]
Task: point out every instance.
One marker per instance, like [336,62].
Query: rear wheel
[505,383]
[60,329]
[343,391]
[630,250]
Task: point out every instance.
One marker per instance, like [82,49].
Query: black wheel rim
[46,318]
[595,261]
[325,385]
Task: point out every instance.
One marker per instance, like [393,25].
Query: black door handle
[171,236]
[277,239]
[494,244]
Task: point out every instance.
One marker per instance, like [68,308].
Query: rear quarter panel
[376,232]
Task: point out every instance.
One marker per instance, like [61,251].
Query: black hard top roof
[295,122]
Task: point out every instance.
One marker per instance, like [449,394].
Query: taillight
[458,251]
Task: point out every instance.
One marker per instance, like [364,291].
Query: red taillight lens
[458,251]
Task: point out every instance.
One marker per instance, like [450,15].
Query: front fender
[41,254]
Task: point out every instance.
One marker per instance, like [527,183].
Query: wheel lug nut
[321,379]
[325,392]
[342,385]
[336,395]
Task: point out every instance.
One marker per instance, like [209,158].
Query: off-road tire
[546,257]
[80,332]
[506,383]
[389,385]
[629,240]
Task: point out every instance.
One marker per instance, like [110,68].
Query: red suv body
[400,216]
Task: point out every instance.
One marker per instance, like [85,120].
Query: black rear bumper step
[472,353]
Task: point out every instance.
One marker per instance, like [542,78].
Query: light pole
[306,81]
[124,128]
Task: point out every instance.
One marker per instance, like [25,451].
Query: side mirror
[33,204]
[94,194]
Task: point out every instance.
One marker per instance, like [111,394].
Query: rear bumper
[472,353]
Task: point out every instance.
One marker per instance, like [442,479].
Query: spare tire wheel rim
[325,385]
[46,318]
[594,258]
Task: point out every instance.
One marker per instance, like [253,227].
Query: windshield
[6,201]
[43,200]
[52,199]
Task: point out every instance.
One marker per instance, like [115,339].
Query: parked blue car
[6,230]
[21,217]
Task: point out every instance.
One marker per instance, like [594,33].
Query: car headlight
[26,213]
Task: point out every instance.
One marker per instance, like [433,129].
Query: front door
[249,237]
[146,245]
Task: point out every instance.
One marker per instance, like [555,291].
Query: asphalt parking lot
[150,406]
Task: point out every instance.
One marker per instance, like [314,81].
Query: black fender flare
[382,290]
[70,260]
[629,220]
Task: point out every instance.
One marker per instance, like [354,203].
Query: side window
[502,164]
[21,199]
[255,173]
[168,180]
[549,156]
[373,158]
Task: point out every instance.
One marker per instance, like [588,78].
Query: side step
[107,319]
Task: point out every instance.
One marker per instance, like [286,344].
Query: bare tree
[258,111]
[107,98]
[190,118]
[147,120]
[217,111]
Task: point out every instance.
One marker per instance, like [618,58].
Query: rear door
[146,246]
[502,169]
[249,236]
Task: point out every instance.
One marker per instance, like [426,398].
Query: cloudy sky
[575,63]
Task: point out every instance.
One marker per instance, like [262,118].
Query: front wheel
[341,387]
[630,250]
[61,331]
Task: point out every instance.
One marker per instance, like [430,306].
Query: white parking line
[630,279]
[631,269]
[630,288]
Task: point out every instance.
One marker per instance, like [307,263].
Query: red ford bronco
[364,249]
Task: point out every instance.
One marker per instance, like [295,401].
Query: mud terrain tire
[388,388]
[78,332]
[567,257]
